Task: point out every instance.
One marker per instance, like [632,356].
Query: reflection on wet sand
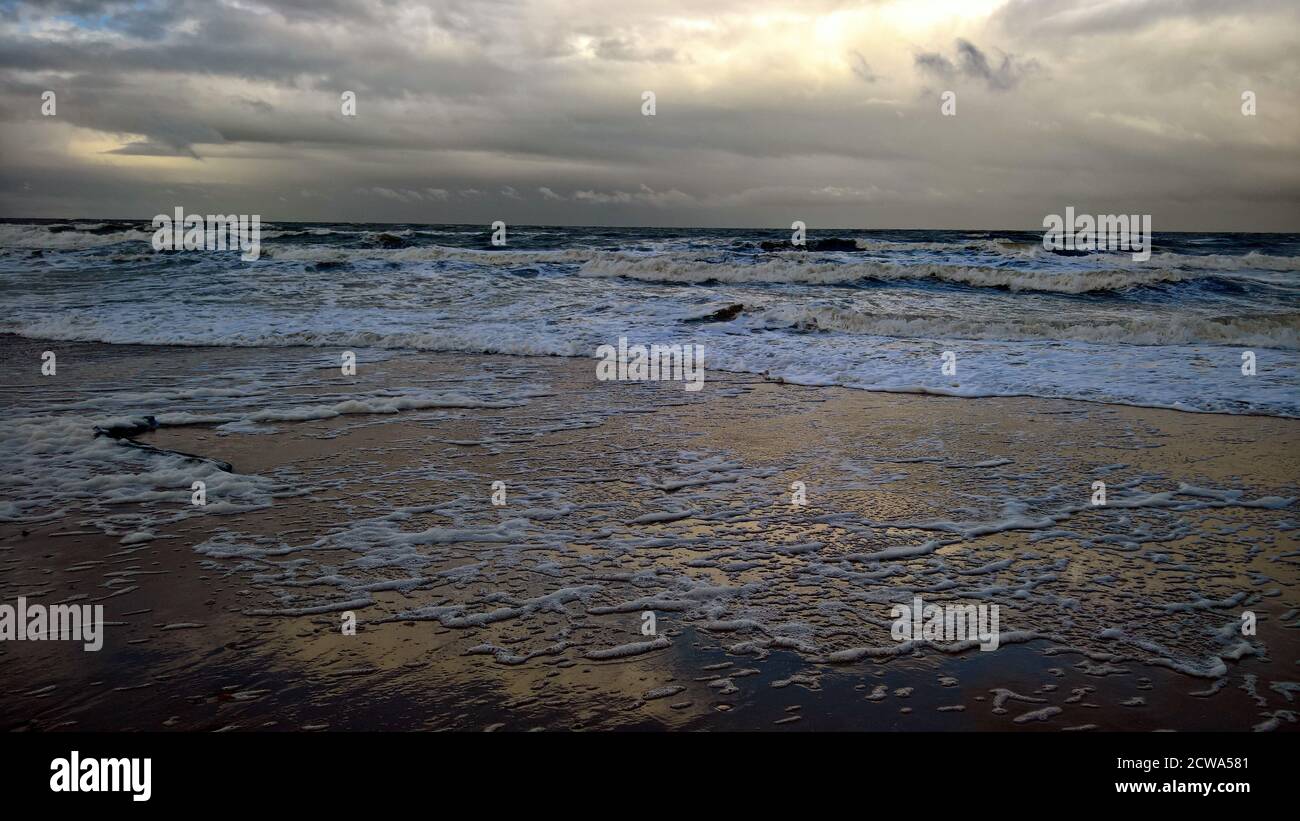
[372,496]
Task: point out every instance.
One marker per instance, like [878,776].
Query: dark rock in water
[1069,252]
[130,427]
[98,230]
[386,240]
[721,315]
[807,326]
[833,244]
[328,265]
[123,431]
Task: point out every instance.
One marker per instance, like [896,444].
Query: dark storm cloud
[1000,74]
[531,111]
[246,48]
[149,148]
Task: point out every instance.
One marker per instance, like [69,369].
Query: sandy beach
[384,382]
[626,499]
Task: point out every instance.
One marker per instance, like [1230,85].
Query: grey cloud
[937,64]
[400,195]
[861,70]
[644,195]
[619,48]
[1089,17]
[461,104]
[148,148]
[971,62]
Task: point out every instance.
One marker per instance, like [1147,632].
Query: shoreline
[457,627]
[761,376]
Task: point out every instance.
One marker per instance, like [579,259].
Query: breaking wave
[787,270]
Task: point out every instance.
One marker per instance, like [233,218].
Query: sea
[184,442]
[1210,323]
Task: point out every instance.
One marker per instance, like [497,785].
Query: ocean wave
[1034,249]
[787,270]
[406,244]
[1166,376]
[1117,262]
[1226,262]
[488,341]
[989,246]
[80,236]
[424,253]
[1280,331]
[71,238]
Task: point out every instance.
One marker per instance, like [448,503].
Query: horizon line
[654,227]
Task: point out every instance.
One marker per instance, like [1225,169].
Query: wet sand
[626,498]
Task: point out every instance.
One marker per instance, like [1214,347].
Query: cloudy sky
[530,111]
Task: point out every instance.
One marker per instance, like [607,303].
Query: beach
[382,379]
[372,495]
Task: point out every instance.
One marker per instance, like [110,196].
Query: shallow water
[372,494]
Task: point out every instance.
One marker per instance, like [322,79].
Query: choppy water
[1168,332]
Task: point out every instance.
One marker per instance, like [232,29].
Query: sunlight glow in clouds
[1112,106]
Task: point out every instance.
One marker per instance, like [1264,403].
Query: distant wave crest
[793,270]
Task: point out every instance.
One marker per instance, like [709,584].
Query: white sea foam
[792,268]
[40,237]
[1020,323]
[1153,328]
